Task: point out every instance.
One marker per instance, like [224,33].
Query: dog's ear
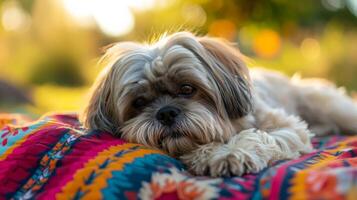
[230,74]
[98,113]
[101,112]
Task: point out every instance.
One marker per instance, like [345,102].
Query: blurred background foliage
[49,48]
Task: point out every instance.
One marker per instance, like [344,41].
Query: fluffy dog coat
[194,98]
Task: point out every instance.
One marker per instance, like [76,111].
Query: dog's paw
[224,162]
[235,163]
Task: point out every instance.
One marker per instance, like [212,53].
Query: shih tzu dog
[194,98]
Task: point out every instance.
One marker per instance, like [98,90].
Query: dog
[195,99]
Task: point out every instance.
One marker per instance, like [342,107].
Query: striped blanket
[54,158]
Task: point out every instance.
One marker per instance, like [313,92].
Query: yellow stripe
[299,186]
[100,182]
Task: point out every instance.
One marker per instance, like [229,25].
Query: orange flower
[186,190]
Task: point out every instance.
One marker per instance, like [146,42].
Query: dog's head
[176,94]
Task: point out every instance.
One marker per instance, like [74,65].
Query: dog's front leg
[249,151]
[280,136]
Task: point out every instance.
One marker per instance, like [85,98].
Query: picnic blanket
[54,158]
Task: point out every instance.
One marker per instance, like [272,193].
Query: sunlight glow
[14,18]
[114,17]
[139,5]
[81,10]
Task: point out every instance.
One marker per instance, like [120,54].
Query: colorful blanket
[54,158]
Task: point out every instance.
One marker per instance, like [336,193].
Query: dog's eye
[139,102]
[186,90]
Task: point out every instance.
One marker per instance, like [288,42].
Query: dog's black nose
[167,115]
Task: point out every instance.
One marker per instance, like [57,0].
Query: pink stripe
[18,166]
[82,151]
[280,175]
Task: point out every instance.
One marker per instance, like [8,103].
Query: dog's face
[174,95]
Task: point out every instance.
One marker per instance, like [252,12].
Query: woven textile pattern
[54,158]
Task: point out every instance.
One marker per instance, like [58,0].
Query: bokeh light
[114,18]
[333,5]
[14,18]
[352,5]
[194,14]
[50,48]
[267,43]
[223,28]
[81,10]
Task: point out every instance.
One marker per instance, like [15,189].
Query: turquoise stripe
[13,139]
[130,179]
